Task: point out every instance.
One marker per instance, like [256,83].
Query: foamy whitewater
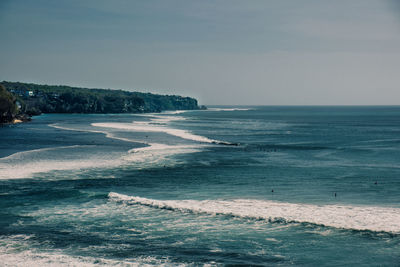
[227,186]
[339,216]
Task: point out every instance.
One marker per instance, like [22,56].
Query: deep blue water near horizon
[302,186]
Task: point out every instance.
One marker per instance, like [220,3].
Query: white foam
[371,218]
[17,251]
[106,133]
[157,155]
[158,123]
[27,164]
[175,111]
[146,127]
[162,147]
[20,155]
[166,119]
[228,109]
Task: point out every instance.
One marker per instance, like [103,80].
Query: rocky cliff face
[8,106]
[34,99]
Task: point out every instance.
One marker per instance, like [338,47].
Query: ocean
[227,186]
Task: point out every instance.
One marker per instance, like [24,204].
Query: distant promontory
[19,101]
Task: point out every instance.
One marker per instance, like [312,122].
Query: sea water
[258,186]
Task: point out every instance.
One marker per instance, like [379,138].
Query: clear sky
[308,52]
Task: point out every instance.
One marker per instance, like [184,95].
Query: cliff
[8,107]
[33,99]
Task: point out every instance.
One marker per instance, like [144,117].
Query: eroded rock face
[8,107]
[36,99]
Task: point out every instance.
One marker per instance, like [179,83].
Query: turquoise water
[239,186]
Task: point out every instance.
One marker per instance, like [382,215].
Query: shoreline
[27,118]
[18,119]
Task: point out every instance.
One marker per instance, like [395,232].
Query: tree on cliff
[36,98]
[8,108]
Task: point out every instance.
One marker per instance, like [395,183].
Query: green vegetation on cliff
[34,99]
[8,107]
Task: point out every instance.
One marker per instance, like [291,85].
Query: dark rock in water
[230,144]
[225,143]
[24,117]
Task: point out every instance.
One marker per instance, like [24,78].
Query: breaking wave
[228,109]
[371,218]
[158,124]
[17,250]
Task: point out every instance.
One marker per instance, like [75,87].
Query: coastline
[19,102]
[18,119]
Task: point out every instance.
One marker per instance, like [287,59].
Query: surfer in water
[335,194]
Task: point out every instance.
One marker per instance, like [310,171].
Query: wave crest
[371,218]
